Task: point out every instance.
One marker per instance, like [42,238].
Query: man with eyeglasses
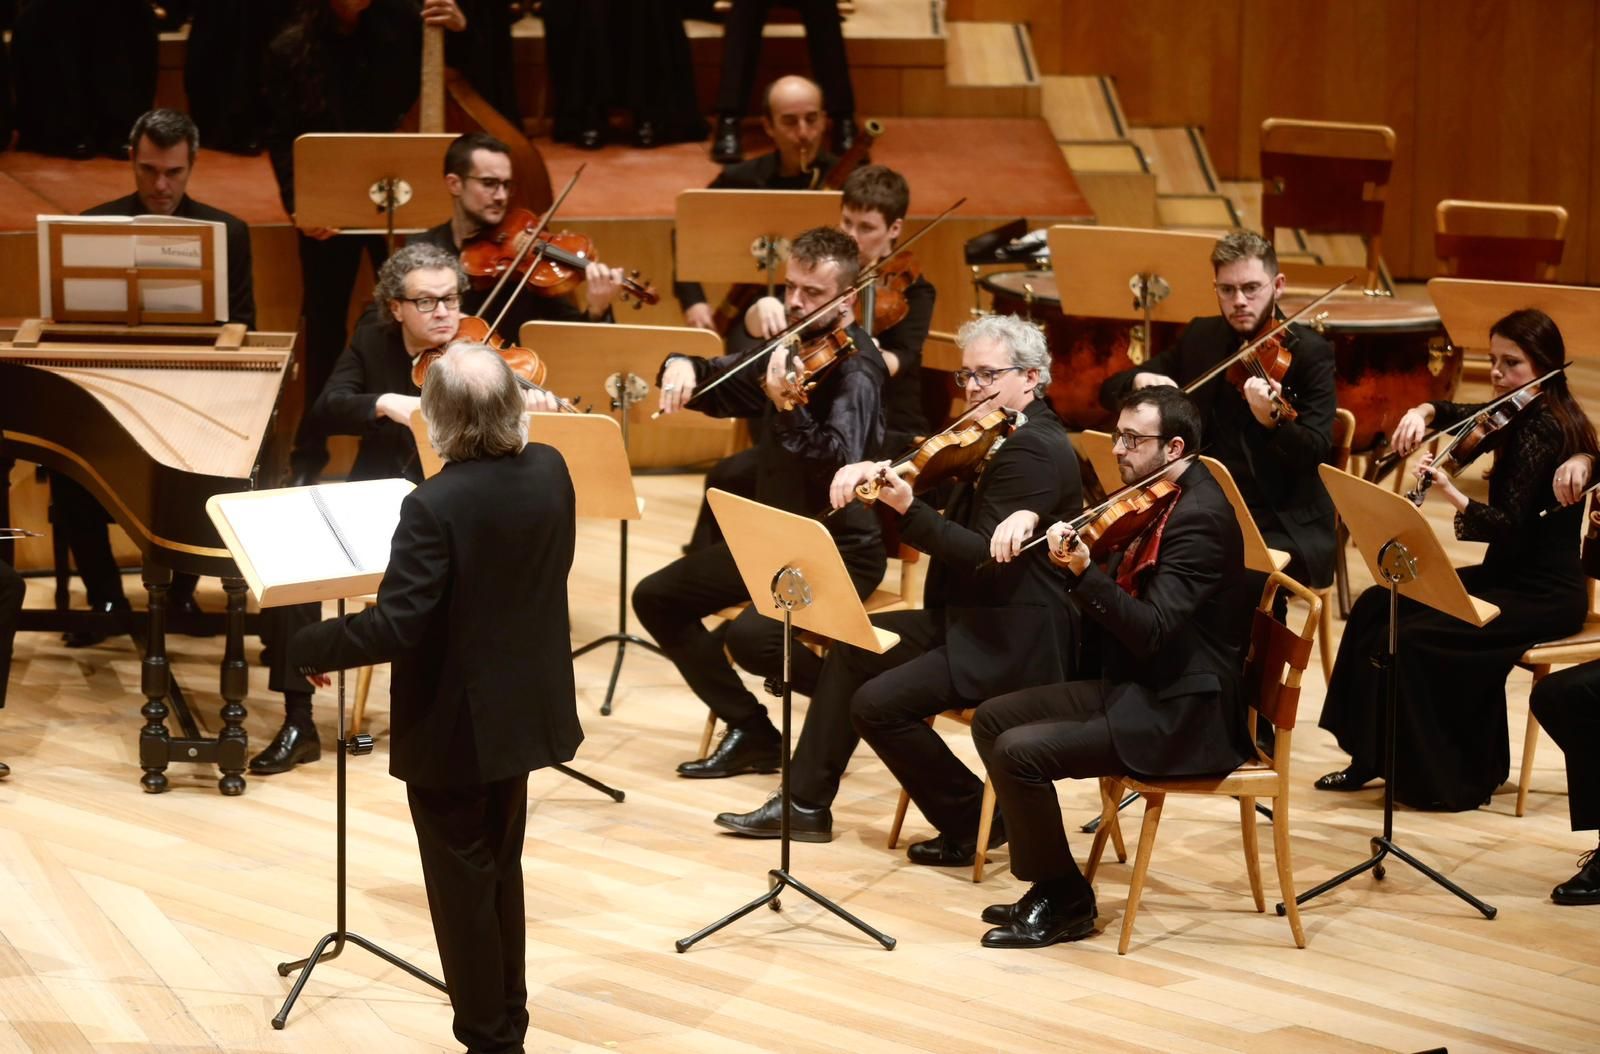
[370,394]
[991,621]
[477,172]
[1273,458]
[1167,701]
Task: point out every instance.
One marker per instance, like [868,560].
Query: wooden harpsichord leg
[233,743]
[154,681]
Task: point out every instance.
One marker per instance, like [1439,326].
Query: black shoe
[591,139]
[1583,887]
[844,134]
[90,636]
[1346,779]
[644,134]
[1000,914]
[1040,919]
[945,851]
[725,142]
[805,825]
[741,750]
[82,150]
[5,770]
[293,745]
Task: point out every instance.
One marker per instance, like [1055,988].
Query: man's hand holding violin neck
[445,14]
[603,284]
[842,491]
[1263,396]
[776,381]
[677,384]
[1067,549]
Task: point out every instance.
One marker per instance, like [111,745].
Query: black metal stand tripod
[359,744]
[1398,567]
[789,591]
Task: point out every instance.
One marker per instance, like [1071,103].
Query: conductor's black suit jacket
[472,614]
[1172,656]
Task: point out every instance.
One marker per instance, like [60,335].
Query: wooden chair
[1272,675]
[1327,177]
[1582,646]
[1499,241]
[985,818]
[1344,429]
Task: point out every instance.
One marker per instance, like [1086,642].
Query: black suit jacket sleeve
[906,337]
[413,585]
[849,427]
[241,285]
[348,406]
[1304,443]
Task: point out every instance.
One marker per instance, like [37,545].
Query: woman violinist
[1451,747]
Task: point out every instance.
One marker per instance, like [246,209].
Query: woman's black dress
[1452,750]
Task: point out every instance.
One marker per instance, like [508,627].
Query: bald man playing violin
[990,622]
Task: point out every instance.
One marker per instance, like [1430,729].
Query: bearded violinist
[986,625]
[477,173]
[799,448]
[1272,456]
[1168,700]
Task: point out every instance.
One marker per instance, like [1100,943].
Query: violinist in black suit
[1168,701]
[987,625]
[1272,457]
[472,614]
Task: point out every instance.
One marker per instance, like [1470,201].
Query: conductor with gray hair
[472,613]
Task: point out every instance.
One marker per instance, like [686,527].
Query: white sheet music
[366,520]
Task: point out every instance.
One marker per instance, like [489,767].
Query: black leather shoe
[945,851]
[805,825]
[1347,779]
[293,745]
[1583,887]
[725,143]
[1040,920]
[999,914]
[644,134]
[740,751]
[844,134]
[88,638]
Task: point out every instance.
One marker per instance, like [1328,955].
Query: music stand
[1403,554]
[1468,308]
[794,561]
[343,181]
[725,235]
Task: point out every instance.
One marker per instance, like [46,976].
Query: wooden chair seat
[1582,646]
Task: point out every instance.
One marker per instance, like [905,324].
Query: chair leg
[900,818]
[1252,849]
[706,736]
[1530,747]
[1110,795]
[358,712]
[1325,635]
[1280,853]
[985,825]
[1116,834]
[1141,865]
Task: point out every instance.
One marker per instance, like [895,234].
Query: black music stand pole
[359,744]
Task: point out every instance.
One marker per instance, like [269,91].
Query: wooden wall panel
[1349,61]
[1175,62]
[1505,111]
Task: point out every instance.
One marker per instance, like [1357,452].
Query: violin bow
[864,279]
[1584,493]
[8,534]
[533,239]
[1278,327]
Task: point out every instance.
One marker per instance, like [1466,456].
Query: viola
[957,453]
[1125,516]
[888,293]
[1481,431]
[812,360]
[555,267]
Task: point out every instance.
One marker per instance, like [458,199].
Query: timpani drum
[1083,351]
[1389,355]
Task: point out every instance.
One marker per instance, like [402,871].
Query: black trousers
[741,50]
[83,524]
[278,626]
[1030,739]
[735,474]
[11,591]
[671,602]
[328,275]
[470,839]
[912,669]
[1567,704]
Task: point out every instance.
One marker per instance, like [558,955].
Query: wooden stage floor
[131,923]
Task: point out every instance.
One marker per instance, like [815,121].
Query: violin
[525,363]
[957,453]
[1480,432]
[812,360]
[1115,523]
[887,296]
[555,266]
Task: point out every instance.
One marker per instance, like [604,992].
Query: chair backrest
[1257,555]
[1344,434]
[913,575]
[1327,177]
[1498,240]
[1278,658]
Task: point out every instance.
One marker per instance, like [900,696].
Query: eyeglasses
[427,304]
[491,184]
[1130,440]
[1249,289]
[984,374]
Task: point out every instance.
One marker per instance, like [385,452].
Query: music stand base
[780,879]
[318,955]
[621,640]
[1382,847]
[590,781]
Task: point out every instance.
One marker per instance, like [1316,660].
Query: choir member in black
[223,64]
[8,112]
[620,53]
[1272,457]
[872,211]
[800,446]
[11,591]
[477,172]
[795,123]
[1168,701]
[1451,749]
[741,50]
[339,66]
[370,394]
[987,625]
[163,144]
[473,615]
[84,70]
